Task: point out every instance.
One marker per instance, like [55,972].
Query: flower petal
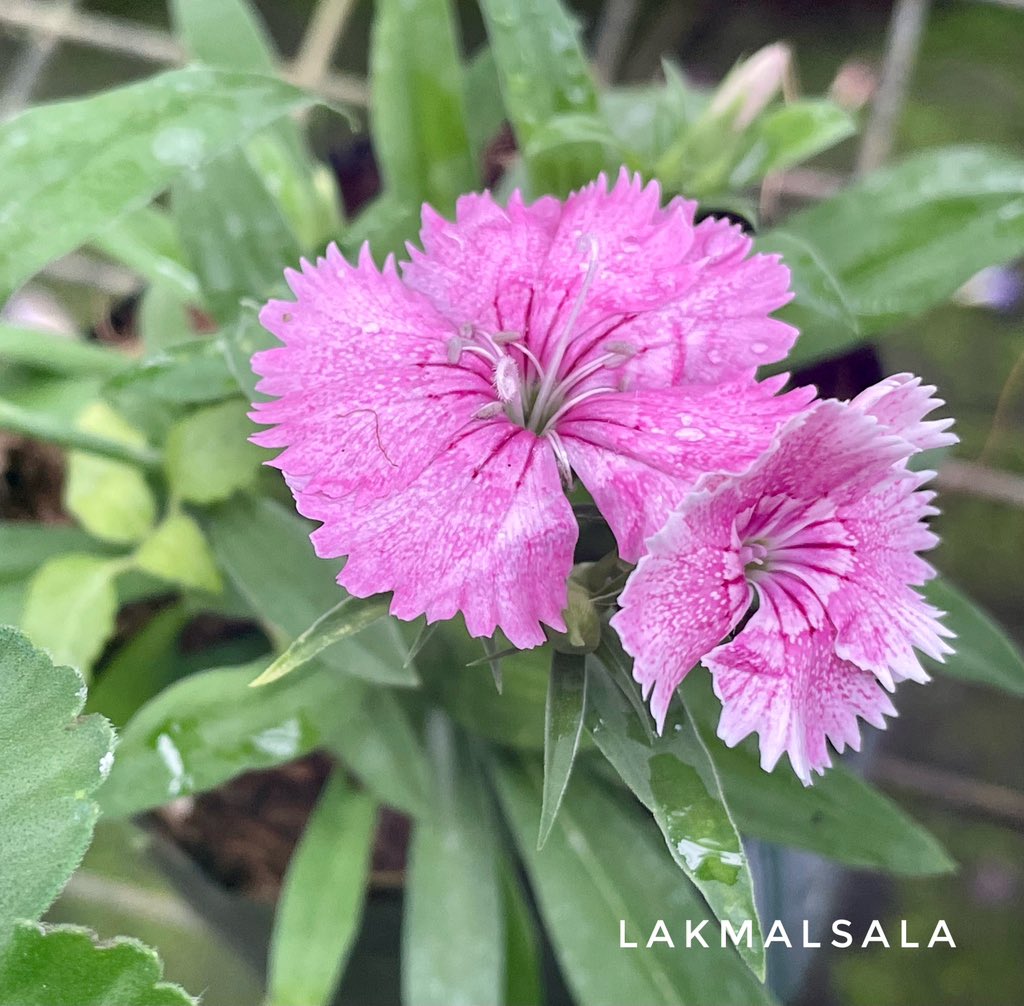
[365,395]
[795,693]
[484,267]
[485,530]
[639,453]
[900,403]
[684,597]
[879,617]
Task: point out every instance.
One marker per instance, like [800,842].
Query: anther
[506,379]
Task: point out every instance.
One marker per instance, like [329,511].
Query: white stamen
[503,338]
[561,459]
[454,349]
[550,380]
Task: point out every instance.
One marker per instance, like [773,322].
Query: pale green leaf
[208,456]
[177,551]
[110,499]
[71,607]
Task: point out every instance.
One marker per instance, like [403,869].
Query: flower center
[796,551]
[536,391]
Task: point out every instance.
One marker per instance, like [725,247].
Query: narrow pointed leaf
[265,549]
[453,950]
[59,354]
[321,901]
[563,727]
[672,775]
[604,865]
[543,73]
[343,620]
[418,118]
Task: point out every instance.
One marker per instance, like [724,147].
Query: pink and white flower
[824,531]
[429,419]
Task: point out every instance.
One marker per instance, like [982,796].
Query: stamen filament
[550,378]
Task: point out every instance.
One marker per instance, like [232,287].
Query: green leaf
[67,170]
[382,749]
[194,373]
[674,778]
[228,34]
[241,339]
[522,951]
[25,546]
[344,620]
[177,551]
[418,113]
[208,456]
[224,33]
[647,119]
[265,550]
[69,966]
[563,727]
[453,940]
[840,816]
[515,716]
[146,663]
[984,654]
[236,237]
[543,73]
[604,865]
[907,237]
[59,354]
[71,606]
[110,499]
[145,240]
[51,761]
[486,112]
[211,726]
[819,308]
[321,901]
[789,135]
[55,428]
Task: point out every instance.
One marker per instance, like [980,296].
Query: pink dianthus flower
[431,417]
[823,530]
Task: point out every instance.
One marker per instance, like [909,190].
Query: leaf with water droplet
[68,169]
[675,779]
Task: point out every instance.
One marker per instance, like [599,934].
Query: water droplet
[371,328]
[179,145]
[282,741]
[106,763]
[714,356]
[690,433]
[758,347]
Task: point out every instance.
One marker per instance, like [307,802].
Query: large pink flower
[430,419]
[823,530]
